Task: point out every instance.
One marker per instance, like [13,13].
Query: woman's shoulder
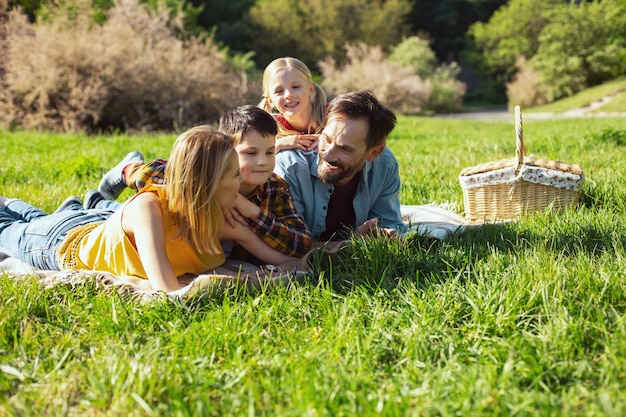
[149,194]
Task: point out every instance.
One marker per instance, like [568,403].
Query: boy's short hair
[240,120]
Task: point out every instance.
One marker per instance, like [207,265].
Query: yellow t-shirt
[107,247]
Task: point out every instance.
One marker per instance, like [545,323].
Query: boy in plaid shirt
[264,203]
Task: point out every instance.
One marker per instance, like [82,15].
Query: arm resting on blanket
[253,244]
[143,222]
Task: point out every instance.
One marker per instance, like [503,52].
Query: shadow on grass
[377,264]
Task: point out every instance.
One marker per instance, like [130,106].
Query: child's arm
[245,237]
[303,142]
[277,222]
[142,221]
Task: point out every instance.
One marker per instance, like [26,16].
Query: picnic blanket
[431,220]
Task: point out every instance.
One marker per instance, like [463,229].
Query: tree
[228,19]
[582,46]
[315,29]
[512,31]
[567,46]
[445,22]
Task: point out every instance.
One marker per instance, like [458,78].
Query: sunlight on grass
[523,318]
[616,105]
[586,97]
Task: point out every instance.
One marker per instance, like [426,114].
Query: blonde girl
[297,103]
[163,232]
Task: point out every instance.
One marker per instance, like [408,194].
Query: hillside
[606,99]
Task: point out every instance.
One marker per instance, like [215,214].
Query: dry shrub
[525,88]
[367,68]
[4,17]
[4,52]
[130,73]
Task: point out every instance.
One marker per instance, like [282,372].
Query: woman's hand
[303,142]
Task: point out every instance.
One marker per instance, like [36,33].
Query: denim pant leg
[111,205]
[36,241]
[20,210]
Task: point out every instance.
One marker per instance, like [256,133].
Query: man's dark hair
[240,120]
[363,104]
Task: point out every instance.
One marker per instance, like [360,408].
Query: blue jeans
[111,205]
[33,236]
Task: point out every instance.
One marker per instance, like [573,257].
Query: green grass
[618,105]
[526,318]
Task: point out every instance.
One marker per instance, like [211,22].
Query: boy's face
[256,158]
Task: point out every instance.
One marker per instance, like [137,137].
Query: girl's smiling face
[291,93]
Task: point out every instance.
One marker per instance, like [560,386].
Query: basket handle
[520,150]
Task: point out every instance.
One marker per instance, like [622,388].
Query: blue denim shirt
[376,195]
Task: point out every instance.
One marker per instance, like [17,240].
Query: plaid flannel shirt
[279,225]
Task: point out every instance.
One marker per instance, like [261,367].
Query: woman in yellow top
[163,232]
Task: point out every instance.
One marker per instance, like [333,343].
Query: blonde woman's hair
[319,100]
[199,159]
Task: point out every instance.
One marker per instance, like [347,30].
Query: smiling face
[256,160]
[343,150]
[291,93]
[228,187]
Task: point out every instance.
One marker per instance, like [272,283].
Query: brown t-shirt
[340,217]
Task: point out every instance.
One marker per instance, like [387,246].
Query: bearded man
[351,182]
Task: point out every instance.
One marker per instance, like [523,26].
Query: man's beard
[336,176]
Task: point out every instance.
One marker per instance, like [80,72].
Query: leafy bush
[138,70]
[569,45]
[314,29]
[415,53]
[446,91]
[582,46]
[367,68]
[512,31]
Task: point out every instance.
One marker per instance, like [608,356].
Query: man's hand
[370,228]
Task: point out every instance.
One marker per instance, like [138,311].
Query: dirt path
[504,114]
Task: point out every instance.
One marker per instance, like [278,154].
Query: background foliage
[443,55]
[136,70]
[569,46]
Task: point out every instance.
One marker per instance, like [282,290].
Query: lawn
[587,96]
[523,318]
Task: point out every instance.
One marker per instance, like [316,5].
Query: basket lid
[511,162]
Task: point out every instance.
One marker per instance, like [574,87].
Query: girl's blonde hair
[199,159]
[318,103]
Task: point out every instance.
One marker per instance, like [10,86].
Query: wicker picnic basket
[511,188]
